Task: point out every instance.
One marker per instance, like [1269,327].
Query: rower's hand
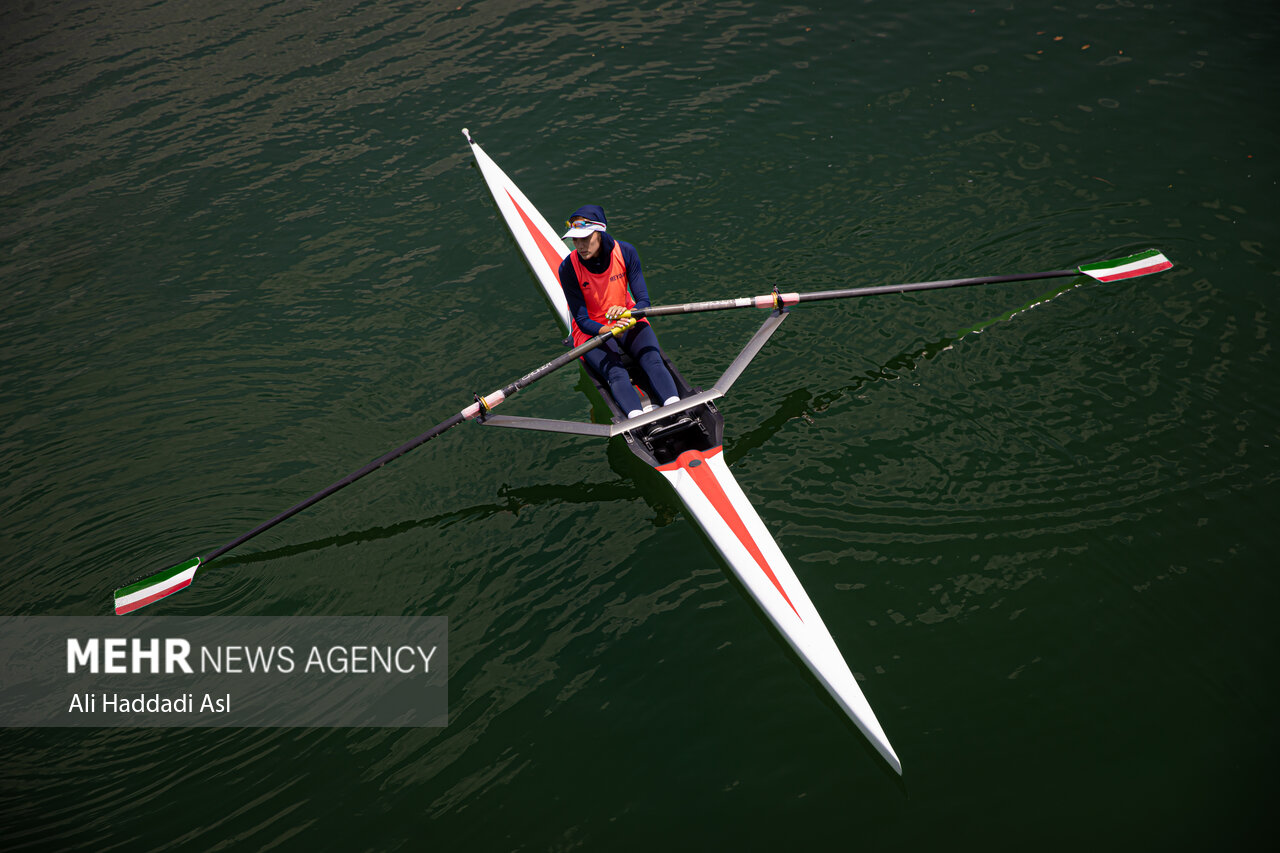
[616,312]
[621,326]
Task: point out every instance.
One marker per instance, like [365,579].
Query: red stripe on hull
[694,461]
[549,253]
[143,602]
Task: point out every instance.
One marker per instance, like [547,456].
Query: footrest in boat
[662,429]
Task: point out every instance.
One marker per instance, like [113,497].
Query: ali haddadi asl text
[88,703]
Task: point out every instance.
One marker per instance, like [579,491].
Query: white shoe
[670,400]
[634,413]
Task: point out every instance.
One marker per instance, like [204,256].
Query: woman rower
[601,279]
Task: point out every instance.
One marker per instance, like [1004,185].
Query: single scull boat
[682,442]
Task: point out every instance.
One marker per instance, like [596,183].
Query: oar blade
[158,586]
[1143,263]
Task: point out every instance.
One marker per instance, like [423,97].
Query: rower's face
[587,247]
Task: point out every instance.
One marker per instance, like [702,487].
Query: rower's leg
[606,361]
[642,343]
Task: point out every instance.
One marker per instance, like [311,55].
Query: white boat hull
[709,492]
[718,505]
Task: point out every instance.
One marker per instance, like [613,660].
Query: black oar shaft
[557,363]
[853,292]
[466,414]
[690,307]
[341,484]
[766,301]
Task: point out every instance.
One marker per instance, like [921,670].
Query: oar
[1143,263]
[169,581]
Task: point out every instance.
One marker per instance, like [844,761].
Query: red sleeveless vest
[601,291]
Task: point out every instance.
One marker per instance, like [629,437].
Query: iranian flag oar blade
[1143,263]
[171,580]
[156,587]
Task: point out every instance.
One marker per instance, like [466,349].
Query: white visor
[584,229]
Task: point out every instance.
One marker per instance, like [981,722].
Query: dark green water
[243,251]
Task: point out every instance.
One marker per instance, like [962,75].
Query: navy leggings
[642,345]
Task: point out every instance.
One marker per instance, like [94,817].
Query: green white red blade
[156,587]
[1143,263]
